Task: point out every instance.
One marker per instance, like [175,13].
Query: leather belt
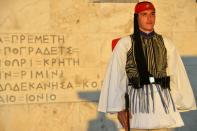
[163,81]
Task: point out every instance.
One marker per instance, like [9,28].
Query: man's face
[146,20]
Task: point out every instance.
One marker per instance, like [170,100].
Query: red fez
[145,5]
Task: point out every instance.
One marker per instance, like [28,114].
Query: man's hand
[122,117]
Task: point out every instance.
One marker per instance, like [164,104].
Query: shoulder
[169,44]
[124,43]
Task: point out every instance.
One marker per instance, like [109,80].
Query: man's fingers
[124,121]
[121,120]
[122,117]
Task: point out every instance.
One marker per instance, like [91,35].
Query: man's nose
[149,17]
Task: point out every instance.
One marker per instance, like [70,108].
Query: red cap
[145,5]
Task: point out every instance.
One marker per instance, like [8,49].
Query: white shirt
[115,81]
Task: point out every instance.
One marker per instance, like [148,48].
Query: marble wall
[54,53]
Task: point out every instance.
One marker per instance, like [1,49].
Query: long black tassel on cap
[139,55]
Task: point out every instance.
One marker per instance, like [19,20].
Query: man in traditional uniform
[147,66]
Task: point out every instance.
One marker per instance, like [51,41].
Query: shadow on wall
[190,63]
[190,118]
[101,123]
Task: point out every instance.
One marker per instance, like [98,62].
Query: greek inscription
[33,68]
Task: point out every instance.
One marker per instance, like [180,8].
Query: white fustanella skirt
[152,107]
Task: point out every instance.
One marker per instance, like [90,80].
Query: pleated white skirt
[152,107]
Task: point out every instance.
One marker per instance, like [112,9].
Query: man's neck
[147,34]
[146,31]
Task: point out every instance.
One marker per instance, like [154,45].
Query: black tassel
[147,99]
[172,102]
[152,96]
[162,99]
[133,102]
[142,67]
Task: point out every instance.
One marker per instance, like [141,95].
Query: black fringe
[152,96]
[140,102]
[162,100]
[147,99]
[172,102]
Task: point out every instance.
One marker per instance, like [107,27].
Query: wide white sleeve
[115,81]
[181,89]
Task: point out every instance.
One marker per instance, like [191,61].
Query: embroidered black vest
[156,58]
